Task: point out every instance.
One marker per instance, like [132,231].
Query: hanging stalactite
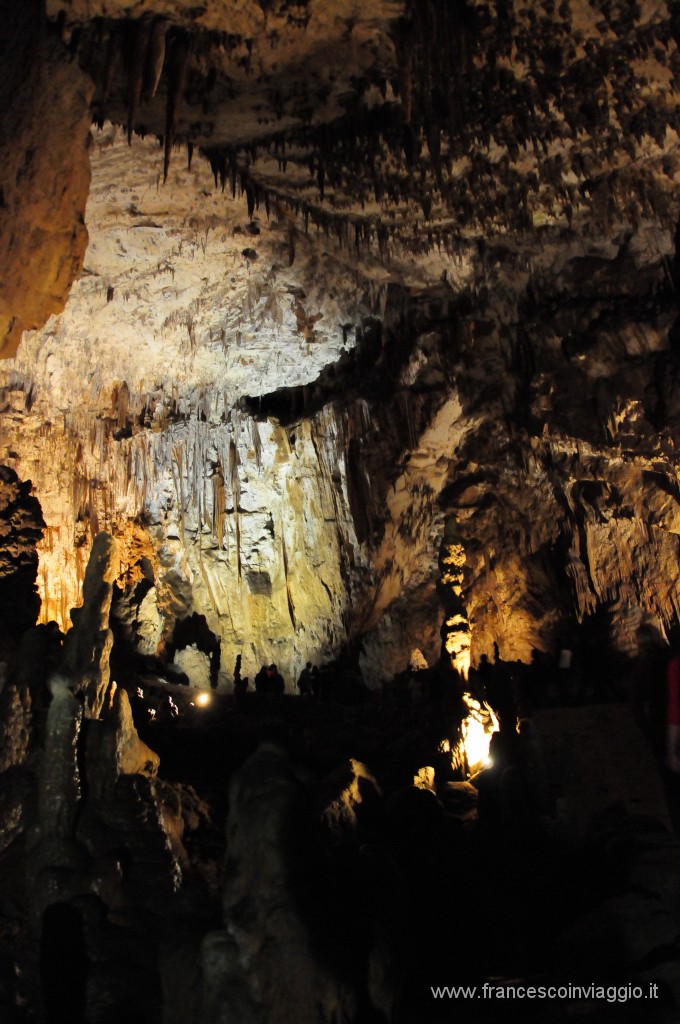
[155,57]
[177,75]
[456,99]
[142,35]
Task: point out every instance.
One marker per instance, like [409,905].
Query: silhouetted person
[655,700]
[240,684]
[671,772]
[306,680]
[565,676]
[262,680]
[488,782]
[482,677]
[500,696]
[275,681]
[416,685]
[535,680]
[521,688]
[649,688]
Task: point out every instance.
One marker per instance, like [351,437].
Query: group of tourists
[329,682]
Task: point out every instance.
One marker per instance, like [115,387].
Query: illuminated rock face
[215,412]
[44,173]
[246,522]
[428,351]
[568,495]
[205,395]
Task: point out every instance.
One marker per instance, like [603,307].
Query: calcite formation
[262,912]
[371,361]
[442,297]
[45,172]
[310,508]
[225,505]
[88,645]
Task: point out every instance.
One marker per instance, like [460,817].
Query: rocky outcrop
[282,953]
[21,528]
[88,646]
[105,844]
[44,172]
[348,798]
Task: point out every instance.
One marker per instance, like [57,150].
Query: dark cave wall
[568,492]
[21,527]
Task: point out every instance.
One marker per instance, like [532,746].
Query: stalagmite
[89,643]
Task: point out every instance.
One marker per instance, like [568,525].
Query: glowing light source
[203,699]
[477,729]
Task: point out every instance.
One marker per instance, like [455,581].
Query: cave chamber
[339,511]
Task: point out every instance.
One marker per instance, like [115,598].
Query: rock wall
[569,487]
[246,522]
[44,172]
[278,428]
[539,415]
[21,528]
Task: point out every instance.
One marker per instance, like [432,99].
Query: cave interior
[339,511]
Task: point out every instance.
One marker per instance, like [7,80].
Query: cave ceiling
[406,124]
[360,271]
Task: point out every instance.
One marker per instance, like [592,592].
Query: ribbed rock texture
[444,306]
[44,172]
[372,356]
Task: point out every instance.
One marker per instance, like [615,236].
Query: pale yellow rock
[195,665]
[133,757]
